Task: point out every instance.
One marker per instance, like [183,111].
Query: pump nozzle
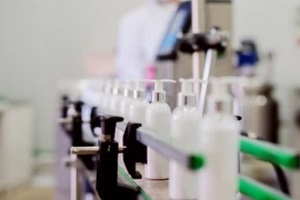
[159,94]
[139,91]
[187,96]
[117,87]
[220,98]
[128,89]
[159,84]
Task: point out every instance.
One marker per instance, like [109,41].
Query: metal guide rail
[264,151]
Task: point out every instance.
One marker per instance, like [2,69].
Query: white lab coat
[140,34]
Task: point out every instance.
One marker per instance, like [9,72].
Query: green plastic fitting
[258,191]
[270,153]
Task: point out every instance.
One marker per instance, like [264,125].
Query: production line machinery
[102,171]
[113,182]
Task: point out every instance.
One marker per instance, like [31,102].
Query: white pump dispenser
[158,118]
[219,140]
[184,130]
[137,111]
[127,100]
[115,101]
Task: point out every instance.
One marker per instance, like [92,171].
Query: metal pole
[198,23]
[85,150]
[74,180]
[209,62]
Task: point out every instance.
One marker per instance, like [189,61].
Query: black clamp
[77,136]
[94,121]
[135,151]
[65,105]
[74,131]
[215,40]
[107,184]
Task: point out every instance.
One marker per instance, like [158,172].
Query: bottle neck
[186,100]
[159,97]
[117,91]
[128,93]
[220,104]
[138,94]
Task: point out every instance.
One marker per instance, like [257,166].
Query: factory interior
[150,100]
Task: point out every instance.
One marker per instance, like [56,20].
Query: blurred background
[45,42]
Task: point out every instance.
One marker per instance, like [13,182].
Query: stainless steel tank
[260,111]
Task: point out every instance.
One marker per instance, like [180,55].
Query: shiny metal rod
[209,62]
[64,120]
[85,150]
[90,150]
[69,121]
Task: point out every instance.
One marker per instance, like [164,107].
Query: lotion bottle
[106,96]
[137,111]
[219,141]
[184,130]
[158,118]
[127,100]
[115,101]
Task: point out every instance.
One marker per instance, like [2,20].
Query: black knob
[64,106]
[108,125]
[95,120]
[78,106]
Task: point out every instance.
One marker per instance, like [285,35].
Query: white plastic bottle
[219,140]
[137,111]
[127,100]
[99,89]
[184,131]
[158,118]
[106,96]
[115,101]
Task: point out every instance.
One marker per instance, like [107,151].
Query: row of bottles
[215,134]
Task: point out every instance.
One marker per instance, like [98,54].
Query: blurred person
[140,33]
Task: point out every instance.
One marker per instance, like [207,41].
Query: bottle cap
[220,98]
[187,96]
[159,94]
[117,87]
[139,91]
[128,89]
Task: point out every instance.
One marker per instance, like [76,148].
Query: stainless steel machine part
[218,14]
[260,111]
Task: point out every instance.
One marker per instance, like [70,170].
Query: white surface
[45,41]
[16,138]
